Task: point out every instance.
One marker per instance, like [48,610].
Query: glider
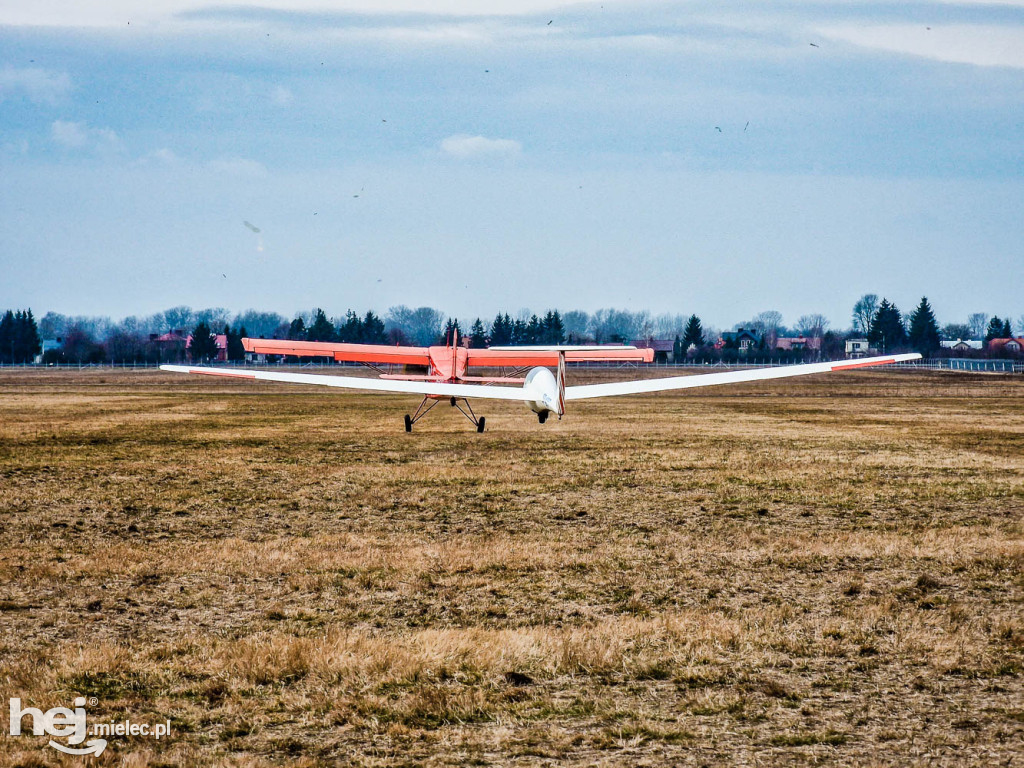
[446,375]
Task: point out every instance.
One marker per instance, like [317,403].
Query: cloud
[160,157]
[72,135]
[40,86]
[978,44]
[69,135]
[239,167]
[469,147]
[280,96]
[115,13]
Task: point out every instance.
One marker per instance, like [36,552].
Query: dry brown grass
[803,572]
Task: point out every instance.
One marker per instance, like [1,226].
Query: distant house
[222,347]
[49,345]
[962,345]
[857,348]
[171,337]
[742,339]
[170,346]
[662,348]
[1006,346]
[791,343]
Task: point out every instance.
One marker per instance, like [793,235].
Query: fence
[953,364]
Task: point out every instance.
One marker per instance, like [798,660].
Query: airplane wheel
[480,424]
[452,401]
[408,423]
[542,416]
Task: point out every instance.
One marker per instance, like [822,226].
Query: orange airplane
[446,373]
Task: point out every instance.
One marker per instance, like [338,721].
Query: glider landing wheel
[480,424]
[408,423]
[542,416]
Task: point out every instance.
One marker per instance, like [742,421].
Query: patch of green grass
[830,737]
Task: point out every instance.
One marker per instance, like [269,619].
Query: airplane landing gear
[478,422]
[543,416]
[420,413]
[455,402]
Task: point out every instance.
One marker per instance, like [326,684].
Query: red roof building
[789,343]
[222,346]
[1010,347]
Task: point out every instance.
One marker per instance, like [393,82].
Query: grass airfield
[825,570]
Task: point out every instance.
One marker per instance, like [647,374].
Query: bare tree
[864,312]
[214,317]
[956,331]
[259,324]
[978,323]
[813,326]
[178,318]
[617,325]
[577,325]
[667,326]
[767,324]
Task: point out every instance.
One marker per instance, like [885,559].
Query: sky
[716,158]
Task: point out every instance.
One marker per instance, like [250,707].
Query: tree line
[87,339]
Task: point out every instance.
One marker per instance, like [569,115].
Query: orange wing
[343,353]
[521,358]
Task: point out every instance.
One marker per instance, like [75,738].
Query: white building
[962,345]
[857,348]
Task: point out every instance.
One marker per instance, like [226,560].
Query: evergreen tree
[519,335]
[7,337]
[994,330]
[373,330]
[887,331]
[452,332]
[351,331]
[322,329]
[552,330]
[236,352]
[533,330]
[477,336]
[677,349]
[27,338]
[297,330]
[19,337]
[501,331]
[924,330]
[204,344]
[1007,330]
[693,336]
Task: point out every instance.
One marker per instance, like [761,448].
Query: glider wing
[436,389]
[343,353]
[729,377]
[521,357]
